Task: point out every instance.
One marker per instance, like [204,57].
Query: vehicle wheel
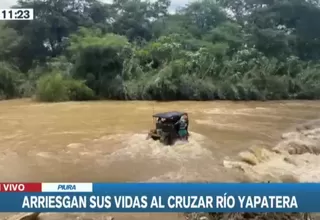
[167,140]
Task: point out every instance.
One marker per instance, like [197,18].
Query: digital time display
[16,14]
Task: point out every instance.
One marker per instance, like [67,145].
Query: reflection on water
[106,141]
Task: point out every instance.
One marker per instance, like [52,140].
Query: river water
[105,141]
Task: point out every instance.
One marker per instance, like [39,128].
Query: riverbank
[294,159]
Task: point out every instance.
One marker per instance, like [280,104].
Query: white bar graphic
[67,187]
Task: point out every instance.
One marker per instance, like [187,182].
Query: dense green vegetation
[133,49]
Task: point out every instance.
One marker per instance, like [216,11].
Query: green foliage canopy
[134,49]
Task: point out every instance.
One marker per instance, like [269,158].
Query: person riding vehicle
[158,126]
[183,127]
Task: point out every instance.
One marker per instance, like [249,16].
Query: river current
[105,141]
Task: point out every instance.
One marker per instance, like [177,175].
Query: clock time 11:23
[16,14]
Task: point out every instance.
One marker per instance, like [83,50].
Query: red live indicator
[20,187]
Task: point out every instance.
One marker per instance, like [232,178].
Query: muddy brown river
[105,141]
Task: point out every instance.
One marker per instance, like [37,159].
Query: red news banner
[20,187]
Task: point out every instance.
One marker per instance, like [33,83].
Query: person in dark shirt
[158,127]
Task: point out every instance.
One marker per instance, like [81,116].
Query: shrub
[9,81]
[78,91]
[56,88]
[51,88]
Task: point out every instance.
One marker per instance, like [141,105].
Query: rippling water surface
[106,141]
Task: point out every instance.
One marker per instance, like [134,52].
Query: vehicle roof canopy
[173,114]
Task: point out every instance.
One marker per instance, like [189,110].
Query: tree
[134,49]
